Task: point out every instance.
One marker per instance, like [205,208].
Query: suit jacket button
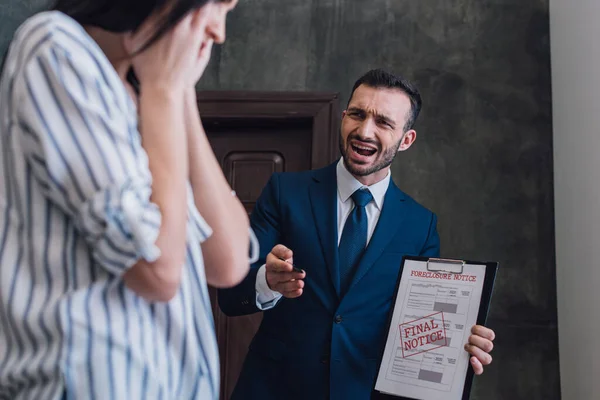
[325,359]
[338,319]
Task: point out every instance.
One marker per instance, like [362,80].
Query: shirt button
[338,319]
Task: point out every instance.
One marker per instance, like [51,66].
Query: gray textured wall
[483,158]
[12,13]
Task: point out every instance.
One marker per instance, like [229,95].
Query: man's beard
[384,161]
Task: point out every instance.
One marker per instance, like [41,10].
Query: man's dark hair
[378,78]
[128,15]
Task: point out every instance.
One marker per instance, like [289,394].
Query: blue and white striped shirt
[75,214]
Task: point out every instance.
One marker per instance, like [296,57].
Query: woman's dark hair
[128,15]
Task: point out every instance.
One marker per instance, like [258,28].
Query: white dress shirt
[347,185]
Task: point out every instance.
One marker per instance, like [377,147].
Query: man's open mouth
[363,150]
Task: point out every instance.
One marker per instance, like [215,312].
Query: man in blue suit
[346,228]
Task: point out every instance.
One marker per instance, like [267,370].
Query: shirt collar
[347,184]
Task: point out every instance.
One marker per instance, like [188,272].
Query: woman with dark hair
[115,214]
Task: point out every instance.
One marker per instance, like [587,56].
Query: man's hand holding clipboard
[435,305]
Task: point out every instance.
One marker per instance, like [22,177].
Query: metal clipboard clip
[446,262]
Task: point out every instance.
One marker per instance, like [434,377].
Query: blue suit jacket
[319,345]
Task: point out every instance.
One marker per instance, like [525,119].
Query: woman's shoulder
[49,29]
[53,38]
[52,47]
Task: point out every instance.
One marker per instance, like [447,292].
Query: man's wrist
[262,285]
[266,298]
[267,281]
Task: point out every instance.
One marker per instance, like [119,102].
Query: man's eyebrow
[385,118]
[379,116]
[356,109]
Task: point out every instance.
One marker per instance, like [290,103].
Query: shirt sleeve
[254,247]
[82,146]
[265,297]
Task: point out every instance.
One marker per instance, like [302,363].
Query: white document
[424,356]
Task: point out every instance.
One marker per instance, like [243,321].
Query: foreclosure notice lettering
[434,310]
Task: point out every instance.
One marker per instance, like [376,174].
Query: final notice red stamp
[423,334]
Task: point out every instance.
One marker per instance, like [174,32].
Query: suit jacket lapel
[323,198]
[389,222]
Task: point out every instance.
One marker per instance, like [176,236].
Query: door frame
[321,107]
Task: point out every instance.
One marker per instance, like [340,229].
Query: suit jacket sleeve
[431,248]
[265,221]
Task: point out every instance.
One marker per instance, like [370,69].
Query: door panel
[247,172]
[251,149]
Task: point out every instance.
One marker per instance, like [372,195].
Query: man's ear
[408,139]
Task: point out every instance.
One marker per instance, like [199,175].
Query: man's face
[372,131]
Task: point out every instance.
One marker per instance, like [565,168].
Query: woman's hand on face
[175,59]
[210,16]
[201,63]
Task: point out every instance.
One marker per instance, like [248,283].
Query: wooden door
[254,134]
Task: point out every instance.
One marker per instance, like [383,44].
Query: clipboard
[445,266]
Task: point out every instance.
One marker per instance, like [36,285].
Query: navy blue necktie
[354,238]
